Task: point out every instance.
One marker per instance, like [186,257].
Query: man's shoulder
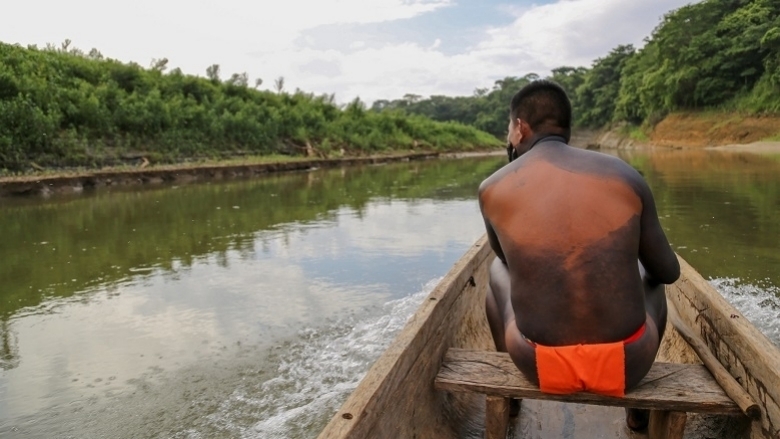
[599,156]
[499,174]
[600,162]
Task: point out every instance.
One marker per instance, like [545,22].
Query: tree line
[715,54]
[61,107]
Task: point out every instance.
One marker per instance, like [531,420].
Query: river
[251,308]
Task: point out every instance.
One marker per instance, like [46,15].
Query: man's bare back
[570,238]
[582,258]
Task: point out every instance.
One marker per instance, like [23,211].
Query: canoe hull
[748,355]
[396,399]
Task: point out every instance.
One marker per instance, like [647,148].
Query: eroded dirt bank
[703,130]
[77,182]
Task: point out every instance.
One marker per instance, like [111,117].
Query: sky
[371,49]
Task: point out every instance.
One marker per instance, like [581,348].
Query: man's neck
[547,137]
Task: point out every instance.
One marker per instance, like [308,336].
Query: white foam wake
[759,304]
[314,374]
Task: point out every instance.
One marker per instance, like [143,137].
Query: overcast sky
[373,49]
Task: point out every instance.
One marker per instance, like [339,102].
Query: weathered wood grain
[666,425]
[747,354]
[721,375]
[496,417]
[668,386]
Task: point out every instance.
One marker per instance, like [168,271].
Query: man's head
[541,107]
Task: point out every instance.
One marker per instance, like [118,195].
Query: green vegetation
[634,132]
[721,55]
[487,110]
[63,108]
[60,107]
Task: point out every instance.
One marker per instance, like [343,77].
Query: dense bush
[60,107]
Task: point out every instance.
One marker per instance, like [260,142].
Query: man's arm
[655,253]
[491,233]
[493,240]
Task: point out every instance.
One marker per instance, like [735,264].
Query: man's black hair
[544,106]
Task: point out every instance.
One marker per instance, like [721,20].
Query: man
[567,298]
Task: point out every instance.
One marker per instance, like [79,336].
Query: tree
[356,107]
[239,80]
[279,84]
[212,72]
[159,65]
[94,54]
[380,104]
[597,95]
[571,78]
[258,82]
[412,98]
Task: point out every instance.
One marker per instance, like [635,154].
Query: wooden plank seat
[669,390]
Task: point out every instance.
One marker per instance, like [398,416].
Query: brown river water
[251,308]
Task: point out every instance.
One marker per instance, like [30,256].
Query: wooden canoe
[396,398]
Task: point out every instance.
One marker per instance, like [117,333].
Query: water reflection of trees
[55,248]
[721,206]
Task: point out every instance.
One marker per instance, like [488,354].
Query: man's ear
[516,125]
[525,129]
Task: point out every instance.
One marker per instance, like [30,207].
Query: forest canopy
[713,55]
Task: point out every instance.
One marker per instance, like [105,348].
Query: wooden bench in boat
[669,390]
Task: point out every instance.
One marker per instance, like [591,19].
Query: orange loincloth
[598,368]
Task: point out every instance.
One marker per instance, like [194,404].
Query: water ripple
[759,304]
[314,375]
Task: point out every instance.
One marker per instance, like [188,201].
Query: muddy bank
[46,185]
[760,134]
[615,140]
[584,138]
[697,130]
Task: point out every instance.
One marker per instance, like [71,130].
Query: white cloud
[574,32]
[195,34]
[372,73]
[264,39]
[569,32]
[391,228]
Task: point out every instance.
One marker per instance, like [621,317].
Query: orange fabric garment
[597,368]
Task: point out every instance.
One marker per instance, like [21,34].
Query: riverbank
[49,181]
[719,131]
[712,130]
[78,181]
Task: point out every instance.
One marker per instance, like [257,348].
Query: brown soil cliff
[714,129]
[699,130]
